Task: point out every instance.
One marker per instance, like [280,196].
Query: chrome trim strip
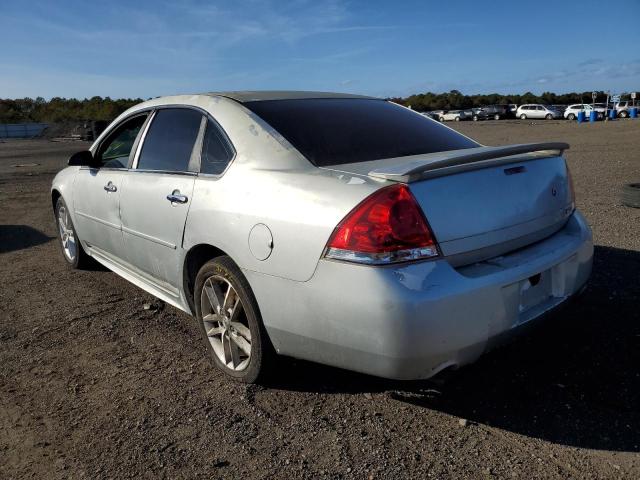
[140,144]
[137,274]
[148,237]
[99,220]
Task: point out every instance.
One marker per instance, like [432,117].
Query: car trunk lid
[483,202]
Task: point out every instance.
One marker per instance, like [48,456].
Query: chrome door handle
[177,198]
[110,187]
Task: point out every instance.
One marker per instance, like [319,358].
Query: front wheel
[571,116]
[496,116]
[549,116]
[72,250]
[475,118]
[523,117]
[457,119]
[441,119]
[229,317]
[623,114]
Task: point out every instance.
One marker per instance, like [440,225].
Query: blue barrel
[593,116]
[581,117]
[633,113]
[612,114]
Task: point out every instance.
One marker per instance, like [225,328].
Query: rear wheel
[523,117]
[475,118]
[72,250]
[623,114]
[441,119]
[549,116]
[496,116]
[228,314]
[457,119]
[571,116]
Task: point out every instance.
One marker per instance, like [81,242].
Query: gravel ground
[92,385]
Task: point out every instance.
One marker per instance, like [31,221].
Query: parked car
[323,227]
[571,113]
[497,112]
[623,108]
[479,114]
[453,115]
[431,115]
[537,111]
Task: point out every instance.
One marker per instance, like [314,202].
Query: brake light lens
[387,227]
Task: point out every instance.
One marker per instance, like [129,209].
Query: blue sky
[149,48]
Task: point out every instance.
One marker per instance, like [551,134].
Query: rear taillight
[386,227]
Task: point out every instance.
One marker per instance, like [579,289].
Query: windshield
[335,131]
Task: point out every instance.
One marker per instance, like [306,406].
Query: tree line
[23,110]
[455,100]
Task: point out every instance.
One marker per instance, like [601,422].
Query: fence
[21,130]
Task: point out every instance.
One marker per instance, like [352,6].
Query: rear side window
[216,151]
[169,142]
[335,131]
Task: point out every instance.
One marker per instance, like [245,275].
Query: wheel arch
[55,195]
[197,256]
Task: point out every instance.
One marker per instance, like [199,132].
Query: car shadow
[18,237]
[574,381]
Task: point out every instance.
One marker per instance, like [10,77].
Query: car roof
[259,95]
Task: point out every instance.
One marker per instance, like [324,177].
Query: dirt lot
[94,386]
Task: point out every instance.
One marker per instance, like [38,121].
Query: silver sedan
[341,229]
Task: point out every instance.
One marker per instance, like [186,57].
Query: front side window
[168,144]
[216,151]
[115,150]
[336,131]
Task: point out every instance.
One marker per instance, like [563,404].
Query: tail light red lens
[386,227]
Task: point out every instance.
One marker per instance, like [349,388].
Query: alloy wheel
[225,323]
[67,236]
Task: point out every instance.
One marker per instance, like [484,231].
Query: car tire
[631,195]
[441,119]
[496,116]
[523,117]
[70,244]
[235,337]
[475,118]
[548,116]
[457,119]
[623,114]
[571,116]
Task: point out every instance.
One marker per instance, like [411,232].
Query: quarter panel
[300,207]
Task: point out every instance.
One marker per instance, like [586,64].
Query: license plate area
[535,290]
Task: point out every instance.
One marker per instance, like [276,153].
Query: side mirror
[82,159]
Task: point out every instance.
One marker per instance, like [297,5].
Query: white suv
[537,111]
[571,113]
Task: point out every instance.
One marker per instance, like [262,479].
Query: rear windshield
[335,131]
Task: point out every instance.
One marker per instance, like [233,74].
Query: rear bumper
[411,321]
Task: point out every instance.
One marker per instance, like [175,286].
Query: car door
[155,199]
[96,191]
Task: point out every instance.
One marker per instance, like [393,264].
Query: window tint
[114,152]
[170,139]
[335,131]
[216,152]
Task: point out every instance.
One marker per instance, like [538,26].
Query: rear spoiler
[455,161]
